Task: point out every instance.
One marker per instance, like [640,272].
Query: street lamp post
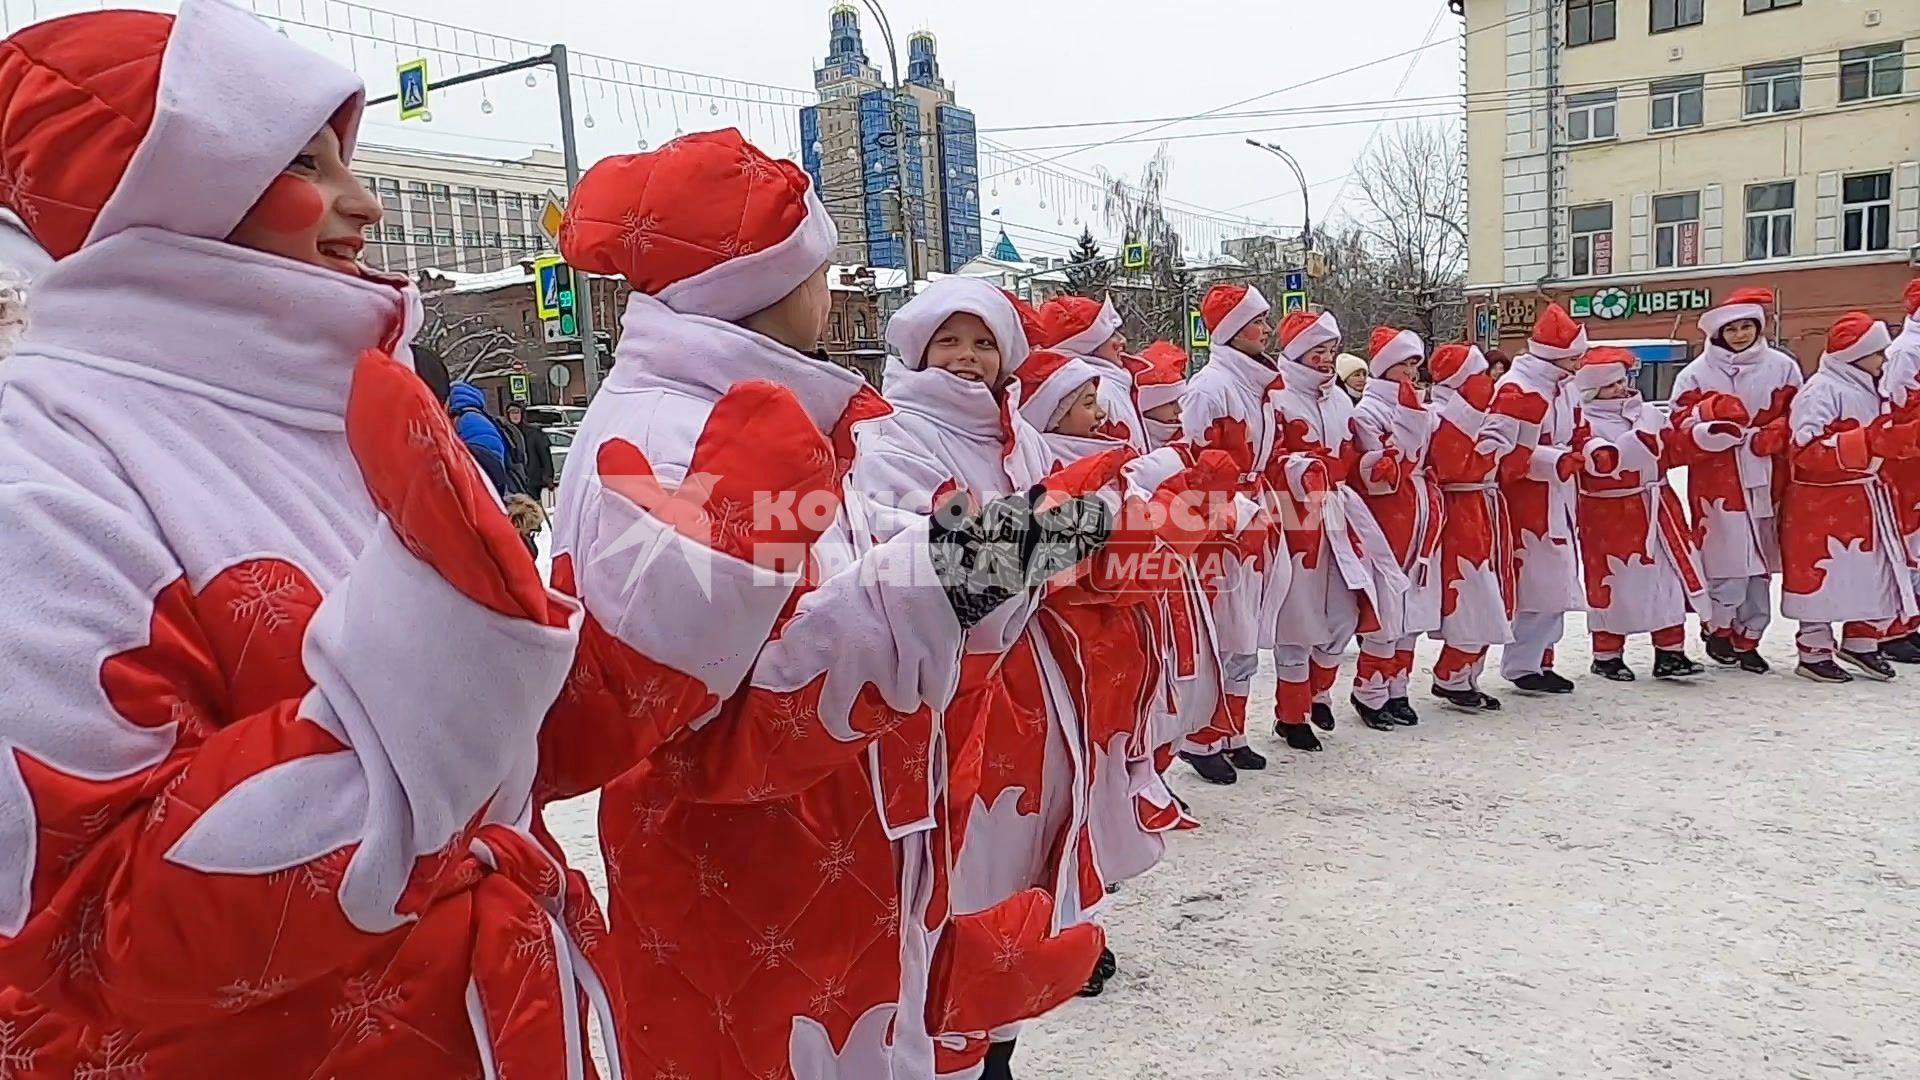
[899,141]
[1306,210]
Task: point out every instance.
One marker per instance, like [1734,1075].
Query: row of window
[1589,21]
[1871,71]
[398,234]
[1866,224]
[511,201]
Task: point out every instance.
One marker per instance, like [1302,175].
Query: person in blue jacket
[480,432]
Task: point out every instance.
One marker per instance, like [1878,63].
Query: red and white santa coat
[1844,556]
[1476,539]
[1392,422]
[1734,491]
[1532,420]
[1124,419]
[1642,570]
[1331,536]
[266,801]
[1900,382]
[788,726]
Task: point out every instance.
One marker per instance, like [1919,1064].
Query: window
[443,237]
[1677,103]
[859,325]
[1592,228]
[1664,15]
[1754,6]
[469,238]
[489,198]
[1589,21]
[833,331]
[1676,230]
[1871,71]
[1868,199]
[1770,220]
[1590,116]
[466,196]
[440,193]
[388,187]
[396,233]
[511,201]
[417,189]
[1772,88]
[493,240]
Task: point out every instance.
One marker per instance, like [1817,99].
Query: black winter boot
[1825,671]
[1901,650]
[1871,664]
[1401,710]
[1614,670]
[1459,699]
[1720,650]
[1753,663]
[1299,737]
[1556,682]
[999,1061]
[1674,664]
[1213,768]
[1247,759]
[1377,719]
[1323,716]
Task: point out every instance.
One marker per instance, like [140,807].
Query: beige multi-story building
[1638,159]
[455,212]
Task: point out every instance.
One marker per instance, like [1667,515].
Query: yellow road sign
[552,216]
[413,89]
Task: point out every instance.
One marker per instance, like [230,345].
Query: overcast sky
[1015,63]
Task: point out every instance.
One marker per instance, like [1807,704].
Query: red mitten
[1001,966]
[1085,476]
[762,486]
[1773,439]
[1570,464]
[1722,406]
[1891,438]
[1215,471]
[1230,437]
[1605,459]
[426,484]
[1338,467]
[1384,468]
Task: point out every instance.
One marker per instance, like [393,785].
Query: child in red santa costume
[1345,578]
[276,660]
[1090,330]
[1734,490]
[1845,557]
[1391,420]
[1228,407]
[778,674]
[1476,534]
[1018,768]
[1900,382]
[1532,418]
[1642,570]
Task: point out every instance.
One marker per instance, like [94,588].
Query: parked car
[556,416]
[561,440]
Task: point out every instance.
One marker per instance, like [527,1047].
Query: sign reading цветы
[1621,304]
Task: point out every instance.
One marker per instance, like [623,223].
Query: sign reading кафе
[1617,303]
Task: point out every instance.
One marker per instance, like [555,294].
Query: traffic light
[569,320]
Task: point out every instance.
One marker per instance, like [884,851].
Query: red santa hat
[119,119]
[1743,305]
[1077,325]
[1030,323]
[1301,331]
[1048,382]
[707,224]
[1228,309]
[1161,376]
[1392,346]
[1601,367]
[1556,336]
[1453,364]
[1856,336]
[914,325]
[1913,297]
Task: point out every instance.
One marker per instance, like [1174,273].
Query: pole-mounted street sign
[413,89]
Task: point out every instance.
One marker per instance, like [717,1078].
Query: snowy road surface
[1715,879]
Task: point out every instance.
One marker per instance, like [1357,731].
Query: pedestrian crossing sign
[1292,302]
[517,387]
[550,280]
[1197,336]
[413,89]
[1133,256]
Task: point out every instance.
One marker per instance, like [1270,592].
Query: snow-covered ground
[1718,878]
[1715,879]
